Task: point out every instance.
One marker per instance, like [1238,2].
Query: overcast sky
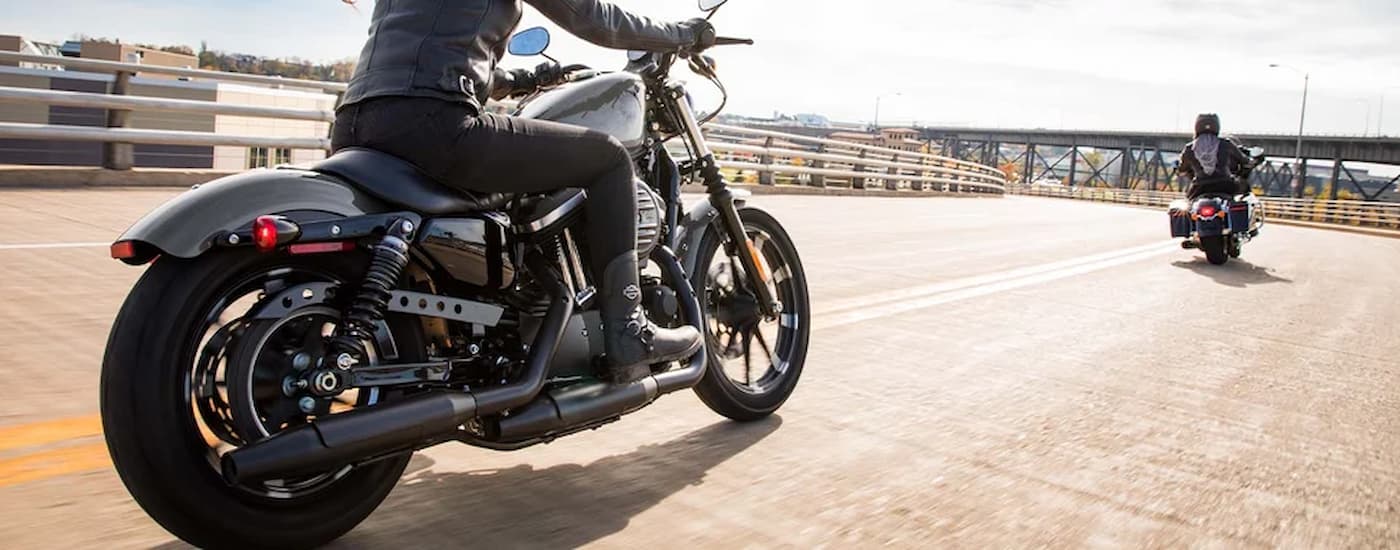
[1122,64]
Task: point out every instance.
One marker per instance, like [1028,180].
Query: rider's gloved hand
[703,32]
[522,81]
[548,74]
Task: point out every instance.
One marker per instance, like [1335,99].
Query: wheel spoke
[748,358]
[313,342]
[763,343]
[280,413]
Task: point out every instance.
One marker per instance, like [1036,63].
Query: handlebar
[726,41]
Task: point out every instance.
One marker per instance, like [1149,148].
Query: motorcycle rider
[1211,163]
[417,93]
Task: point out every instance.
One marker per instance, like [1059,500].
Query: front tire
[164,437]
[1214,247]
[720,284]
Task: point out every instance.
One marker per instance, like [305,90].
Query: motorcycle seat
[399,182]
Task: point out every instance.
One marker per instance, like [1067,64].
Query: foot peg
[1188,245]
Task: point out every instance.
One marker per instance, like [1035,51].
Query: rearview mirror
[1254,152]
[711,5]
[532,41]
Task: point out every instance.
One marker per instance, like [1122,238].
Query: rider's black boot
[632,343]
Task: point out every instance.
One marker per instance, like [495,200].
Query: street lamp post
[1380,118]
[877,107]
[1302,115]
[1366,131]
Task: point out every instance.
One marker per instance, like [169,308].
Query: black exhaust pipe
[362,434]
[348,437]
[586,403]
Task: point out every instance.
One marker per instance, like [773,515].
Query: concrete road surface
[985,373]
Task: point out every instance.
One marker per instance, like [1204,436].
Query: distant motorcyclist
[1213,164]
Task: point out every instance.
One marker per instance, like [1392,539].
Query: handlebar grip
[726,41]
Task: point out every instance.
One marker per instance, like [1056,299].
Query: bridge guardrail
[787,159]
[777,158]
[1341,212]
[118,139]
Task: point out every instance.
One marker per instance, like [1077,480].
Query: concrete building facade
[74,153]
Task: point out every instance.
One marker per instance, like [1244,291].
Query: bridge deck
[985,373]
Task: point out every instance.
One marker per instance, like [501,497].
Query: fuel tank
[612,103]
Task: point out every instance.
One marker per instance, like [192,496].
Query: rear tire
[726,396]
[1214,247]
[154,433]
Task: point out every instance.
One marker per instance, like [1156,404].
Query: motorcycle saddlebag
[1180,221]
[1239,217]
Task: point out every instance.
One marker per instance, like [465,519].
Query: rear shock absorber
[371,301]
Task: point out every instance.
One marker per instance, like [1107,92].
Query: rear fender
[1213,227]
[187,225]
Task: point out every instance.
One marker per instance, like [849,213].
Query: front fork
[723,202]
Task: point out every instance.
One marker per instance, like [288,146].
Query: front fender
[696,222]
[186,225]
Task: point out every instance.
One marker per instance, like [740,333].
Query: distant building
[127,53]
[82,153]
[903,139]
[12,43]
[812,120]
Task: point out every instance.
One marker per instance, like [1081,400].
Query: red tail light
[265,233]
[1206,211]
[123,250]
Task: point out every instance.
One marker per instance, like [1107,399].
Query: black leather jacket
[1230,163]
[448,49]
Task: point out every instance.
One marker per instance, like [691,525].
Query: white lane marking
[45,246]
[1001,284]
[906,293]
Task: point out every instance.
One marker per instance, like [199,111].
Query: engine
[648,220]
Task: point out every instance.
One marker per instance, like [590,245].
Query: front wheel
[754,363]
[1214,247]
[188,377]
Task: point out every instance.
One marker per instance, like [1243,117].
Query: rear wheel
[1234,247]
[754,363]
[1214,247]
[188,377]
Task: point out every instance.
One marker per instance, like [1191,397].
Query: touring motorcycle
[301,332]
[1219,224]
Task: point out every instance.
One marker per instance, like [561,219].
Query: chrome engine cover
[648,220]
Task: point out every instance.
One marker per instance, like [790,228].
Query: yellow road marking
[54,463]
[49,431]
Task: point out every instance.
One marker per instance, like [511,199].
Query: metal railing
[1342,212]
[118,153]
[775,158]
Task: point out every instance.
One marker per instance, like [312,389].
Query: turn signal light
[265,233]
[123,250]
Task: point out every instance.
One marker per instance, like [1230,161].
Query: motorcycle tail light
[123,250]
[1207,211]
[265,233]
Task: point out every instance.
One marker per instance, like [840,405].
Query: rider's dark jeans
[499,154]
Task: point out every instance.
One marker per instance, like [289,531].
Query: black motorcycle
[235,414]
